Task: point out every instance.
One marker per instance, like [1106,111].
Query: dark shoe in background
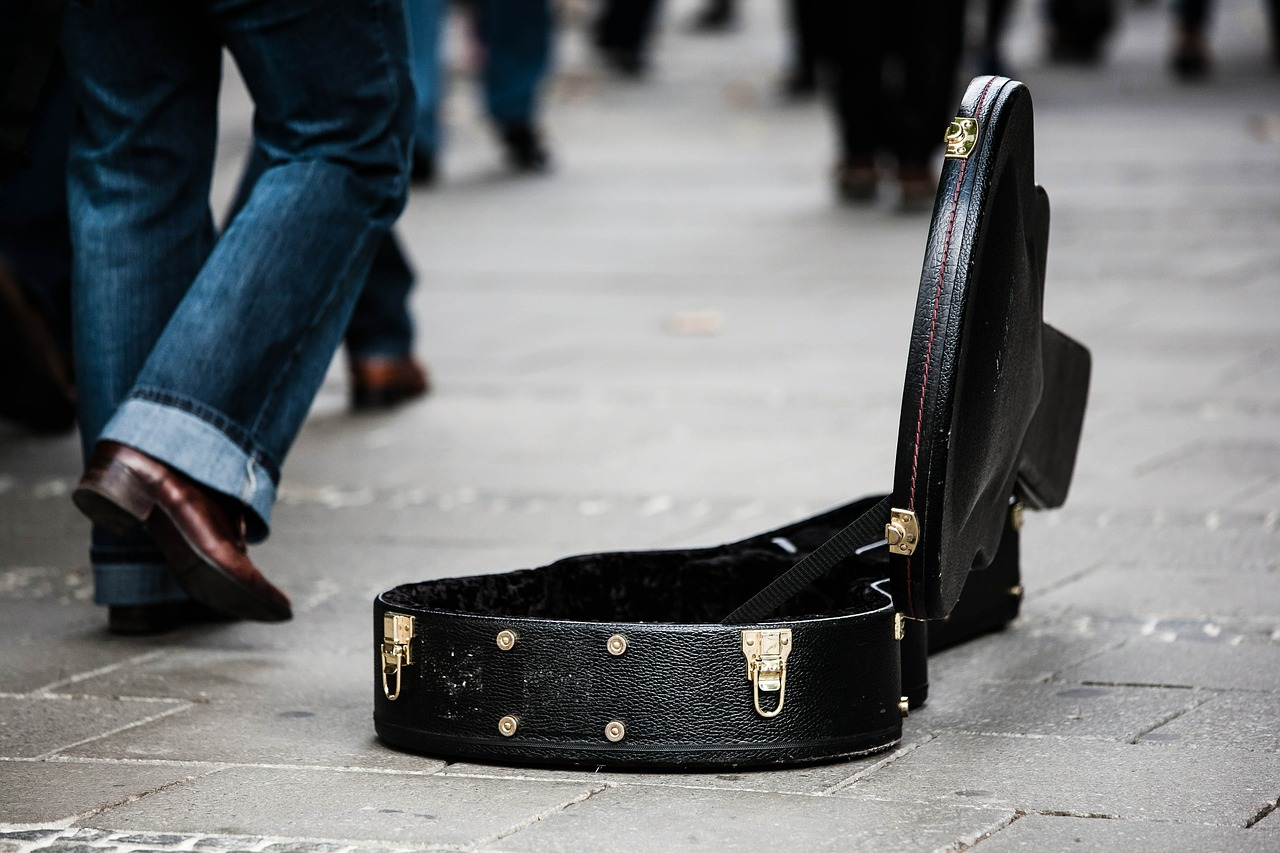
[200,532]
[716,17]
[525,149]
[139,620]
[856,180]
[1190,59]
[423,171]
[36,387]
[917,187]
[380,382]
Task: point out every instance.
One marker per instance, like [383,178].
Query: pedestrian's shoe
[856,180]
[718,16]
[525,149]
[137,620]
[423,171]
[200,532]
[917,188]
[380,382]
[35,372]
[1190,57]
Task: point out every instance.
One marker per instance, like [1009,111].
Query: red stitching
[933,322]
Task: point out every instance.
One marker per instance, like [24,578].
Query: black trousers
[894,71]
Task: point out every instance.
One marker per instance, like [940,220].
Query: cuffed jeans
[206,352]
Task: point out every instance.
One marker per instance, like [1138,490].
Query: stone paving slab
[1081,777]
[32,726]
[1106,713]
[636,819]
[49,792]
[1143,591]
[393,808]
[1236,720]
[1168,661]
[1041,832]
[254,707]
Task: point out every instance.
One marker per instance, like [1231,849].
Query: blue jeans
[206,352]
[380,324]
[517,36]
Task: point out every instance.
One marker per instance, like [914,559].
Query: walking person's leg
[517,36]
[194,448]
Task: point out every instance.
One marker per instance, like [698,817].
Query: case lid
[978,360]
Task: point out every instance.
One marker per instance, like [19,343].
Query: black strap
[31,66]
[864,530]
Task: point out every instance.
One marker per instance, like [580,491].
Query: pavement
[679,338]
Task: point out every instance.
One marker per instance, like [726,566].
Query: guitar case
[809,642]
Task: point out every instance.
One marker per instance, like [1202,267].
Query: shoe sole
[120,503]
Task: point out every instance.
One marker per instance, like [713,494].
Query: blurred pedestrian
[515,37]
[895,70]
[197,358]
[1190,57]
[36,387]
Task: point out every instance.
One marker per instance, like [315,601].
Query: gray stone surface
[255,707]
[1173,661]
[1082,777]
[1041,832]
[1239,720]
[52,791]
[674,819]
[387,807]
[1108,713]
[32,726]
[571,413]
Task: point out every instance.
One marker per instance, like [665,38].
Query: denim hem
[200,450]
[135,583]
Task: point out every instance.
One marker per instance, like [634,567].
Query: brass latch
[902,532]
[397,631]
[961,136]
[766,653]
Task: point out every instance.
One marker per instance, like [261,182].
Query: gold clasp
[902,532]
[397,631]
[961,136]
[766,653]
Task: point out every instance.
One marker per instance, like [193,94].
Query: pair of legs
[895,68]
[204,352]
[517,40]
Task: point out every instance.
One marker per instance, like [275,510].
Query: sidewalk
[1135,705]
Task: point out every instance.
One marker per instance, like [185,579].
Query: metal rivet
[507,725]
[1015,515]
[506,640]
[615,731]
[1016,591]
[617,644]
[904,705]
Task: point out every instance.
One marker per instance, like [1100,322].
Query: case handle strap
[865,529]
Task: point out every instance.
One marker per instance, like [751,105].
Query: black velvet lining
[690,586]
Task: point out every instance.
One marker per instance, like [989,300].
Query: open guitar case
[809,642]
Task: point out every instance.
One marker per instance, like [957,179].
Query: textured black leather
[680,688]
[993,399]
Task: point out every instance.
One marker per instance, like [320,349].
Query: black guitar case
[806,643]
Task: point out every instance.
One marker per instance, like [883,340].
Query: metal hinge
[397,631]
[902,532]
[766,653]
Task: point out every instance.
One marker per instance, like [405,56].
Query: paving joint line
[118,729]
[538,818]
[897,754]
[145,657]
[1209,696]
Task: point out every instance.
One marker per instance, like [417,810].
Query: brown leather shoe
[136,620]
[380,382]
[200,533]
